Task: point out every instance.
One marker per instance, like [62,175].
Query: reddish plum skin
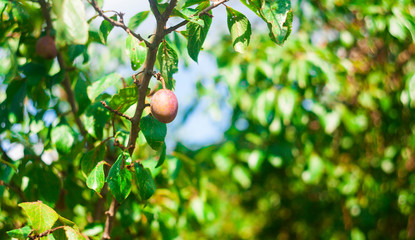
[46,48]
[164,106]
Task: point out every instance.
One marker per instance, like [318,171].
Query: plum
[164,105]
[46,48]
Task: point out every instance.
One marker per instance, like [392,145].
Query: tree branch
[115,111]
[169,9]
[110,219]
[46,15]
[154,9]
[114,23]
[204,11]
[71,97]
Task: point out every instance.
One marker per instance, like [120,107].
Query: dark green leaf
[16,93]
[20,233]
[154,131]
[162,157]
[41,216]
[91,158]
[145,182]
[95,118]
[80,92]
[44,185]
[119,180]
[168,61]
[137,19]
[240,29]
[136,50]
[96,178]
[196,35]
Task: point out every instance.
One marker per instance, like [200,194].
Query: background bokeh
[311,140]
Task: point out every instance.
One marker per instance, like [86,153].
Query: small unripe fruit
[164,105]
[46,48]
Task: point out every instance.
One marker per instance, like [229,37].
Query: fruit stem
[160,78]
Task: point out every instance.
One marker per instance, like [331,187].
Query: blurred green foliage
[320,145]
[322,139]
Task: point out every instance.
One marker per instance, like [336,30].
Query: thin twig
[115,111]
[204,11]
[114,23]
[71,97]
[120,145]
[44,234]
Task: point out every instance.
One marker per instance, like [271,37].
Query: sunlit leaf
[40,215]
[71,24]
[168,61]
[240,29]
[136,50]
[96,178]
[196,35]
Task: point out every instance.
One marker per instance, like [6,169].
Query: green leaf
[168,61]
[71,24]
[196,36]
[137,19]
[91,158]
[145,182]
[189,3]
[73,234]
[96,178]
[41,216]
[136,50]
[44,185]
[95,118]
[277,14]
[154,131]
[119,180]
[80,92]
[21,233]
[240,29]
[191,16]
[105,29]
[102,84]
[63,138]
[124,99]
[162,157]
